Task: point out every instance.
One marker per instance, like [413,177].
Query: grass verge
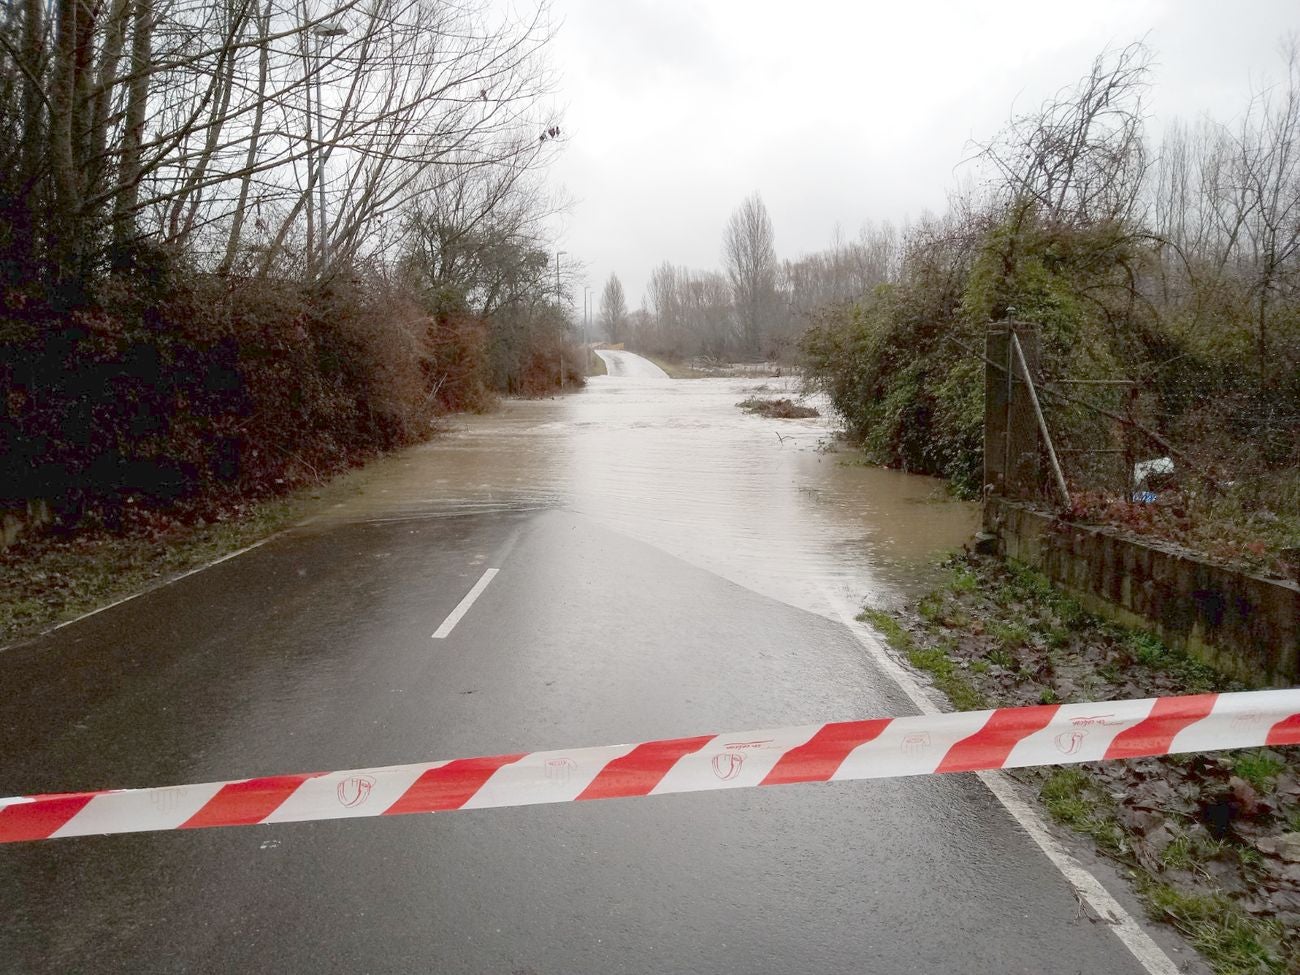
[1234,943]
[947,678]
[49,579]
[1211,841]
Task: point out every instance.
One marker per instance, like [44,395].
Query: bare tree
[664,312]
[749,255]
[844,272]
[613,310]
[1226,202]
[474,236]
[293,129]
[1267,198]
[689,313]
[1080,158]
[709,313]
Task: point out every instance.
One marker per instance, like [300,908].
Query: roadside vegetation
[51,578]
[225,274]
[1164,281]
[1211,842]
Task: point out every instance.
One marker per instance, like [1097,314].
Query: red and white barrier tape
[878,748]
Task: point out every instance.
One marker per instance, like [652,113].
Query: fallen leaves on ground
[1225,823]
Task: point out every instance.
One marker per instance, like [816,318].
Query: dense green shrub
[904,366]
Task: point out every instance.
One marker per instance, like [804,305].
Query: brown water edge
[773,505]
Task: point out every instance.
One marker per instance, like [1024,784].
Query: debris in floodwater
[781,409]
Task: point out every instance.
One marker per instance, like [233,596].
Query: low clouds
[836,113]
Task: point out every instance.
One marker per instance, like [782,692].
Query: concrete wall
[1243,624]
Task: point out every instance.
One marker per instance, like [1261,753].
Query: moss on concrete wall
[1243,624]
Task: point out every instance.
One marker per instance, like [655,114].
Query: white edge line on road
[1123,924]
[463,606]
[1125,927]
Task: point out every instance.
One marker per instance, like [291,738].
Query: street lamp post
[586,313]
[323,32]
[557,304]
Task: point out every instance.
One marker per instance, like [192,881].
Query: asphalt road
[314,652]
[629,365]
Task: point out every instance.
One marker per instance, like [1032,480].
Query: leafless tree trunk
[263,26]
[188,121]
[613,310]
[137,99]
[66,227]
[749,254]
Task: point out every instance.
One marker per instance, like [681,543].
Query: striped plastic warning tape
[840,751]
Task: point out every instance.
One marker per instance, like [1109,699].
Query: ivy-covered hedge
[172,392]
[903,366]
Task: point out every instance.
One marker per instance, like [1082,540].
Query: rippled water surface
[766,503]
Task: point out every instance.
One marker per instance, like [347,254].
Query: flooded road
[772,505]
[646,562]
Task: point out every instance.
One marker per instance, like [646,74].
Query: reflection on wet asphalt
[665,565]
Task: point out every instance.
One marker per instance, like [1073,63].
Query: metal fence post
[1010,426]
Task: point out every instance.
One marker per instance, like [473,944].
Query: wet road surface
[666,568]
[628,365]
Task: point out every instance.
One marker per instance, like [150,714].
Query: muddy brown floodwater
[769,504]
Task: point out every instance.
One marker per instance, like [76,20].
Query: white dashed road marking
[463,606]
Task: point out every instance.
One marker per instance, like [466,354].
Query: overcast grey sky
[839,112]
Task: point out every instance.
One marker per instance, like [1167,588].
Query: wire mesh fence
[1210,460]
